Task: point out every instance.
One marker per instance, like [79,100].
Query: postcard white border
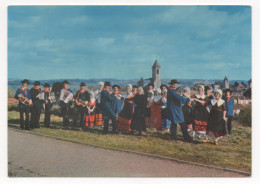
[255,79]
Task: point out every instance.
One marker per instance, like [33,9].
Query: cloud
[80,20]
[185,39]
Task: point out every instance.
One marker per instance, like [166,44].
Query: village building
[156,75]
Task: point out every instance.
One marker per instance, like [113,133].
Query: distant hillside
[74,83]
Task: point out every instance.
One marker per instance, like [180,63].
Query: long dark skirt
[138,120]
[216,124]
[125,117]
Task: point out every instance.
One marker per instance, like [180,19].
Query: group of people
[134,110]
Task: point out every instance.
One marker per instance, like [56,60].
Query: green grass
[233,152]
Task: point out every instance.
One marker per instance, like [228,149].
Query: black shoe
[116,132]
[188,139]
[27,129]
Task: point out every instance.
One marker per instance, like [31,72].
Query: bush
[11,92]
[13,107]
[246,117]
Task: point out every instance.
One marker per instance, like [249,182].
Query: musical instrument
[79,102]
[66,96]
[51,97]
[24,100]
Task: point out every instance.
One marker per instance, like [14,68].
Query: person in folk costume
[37,105]
[229,108]
[125,116]
[90,116]
[156,109]
[209,97]
[47,105]
[138,119]
[98,115]
[66,102]
[118,99]
[81,99]
[200,113]
[107,109]
[216,126]
[135,90]
[23,95]
[174,111]
[166,123]
[149,96]
[187,110]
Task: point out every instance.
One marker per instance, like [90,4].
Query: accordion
[66,96]
[52,98]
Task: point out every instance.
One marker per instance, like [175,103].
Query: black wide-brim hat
[46,85]
[83,84]
[37,83]
[65,82]
[116,86]
[107,83]
[174,81]
[25,81]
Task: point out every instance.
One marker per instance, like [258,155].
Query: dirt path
[32,155]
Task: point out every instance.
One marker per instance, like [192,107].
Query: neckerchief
[37,89]
[116,93]
[24,90]
[82,91]
[47,91]
[228,98]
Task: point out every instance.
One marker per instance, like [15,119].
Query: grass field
[233,152]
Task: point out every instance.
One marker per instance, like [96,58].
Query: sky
[122,42]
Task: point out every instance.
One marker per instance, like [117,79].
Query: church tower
[156,78]
[226,83]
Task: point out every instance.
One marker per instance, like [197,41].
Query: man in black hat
[36,108]
[47,105]
[23,95]
[66,97]
[174,111]
[106,108]
[81,100]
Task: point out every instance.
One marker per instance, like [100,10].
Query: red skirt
[123,124]
[200,126]
[90,119]
[156,120]
[99,120]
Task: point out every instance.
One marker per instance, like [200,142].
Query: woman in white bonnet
[156,109]
[216,126]
[90,115]
[125,116]
[200,112]
[138,121]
